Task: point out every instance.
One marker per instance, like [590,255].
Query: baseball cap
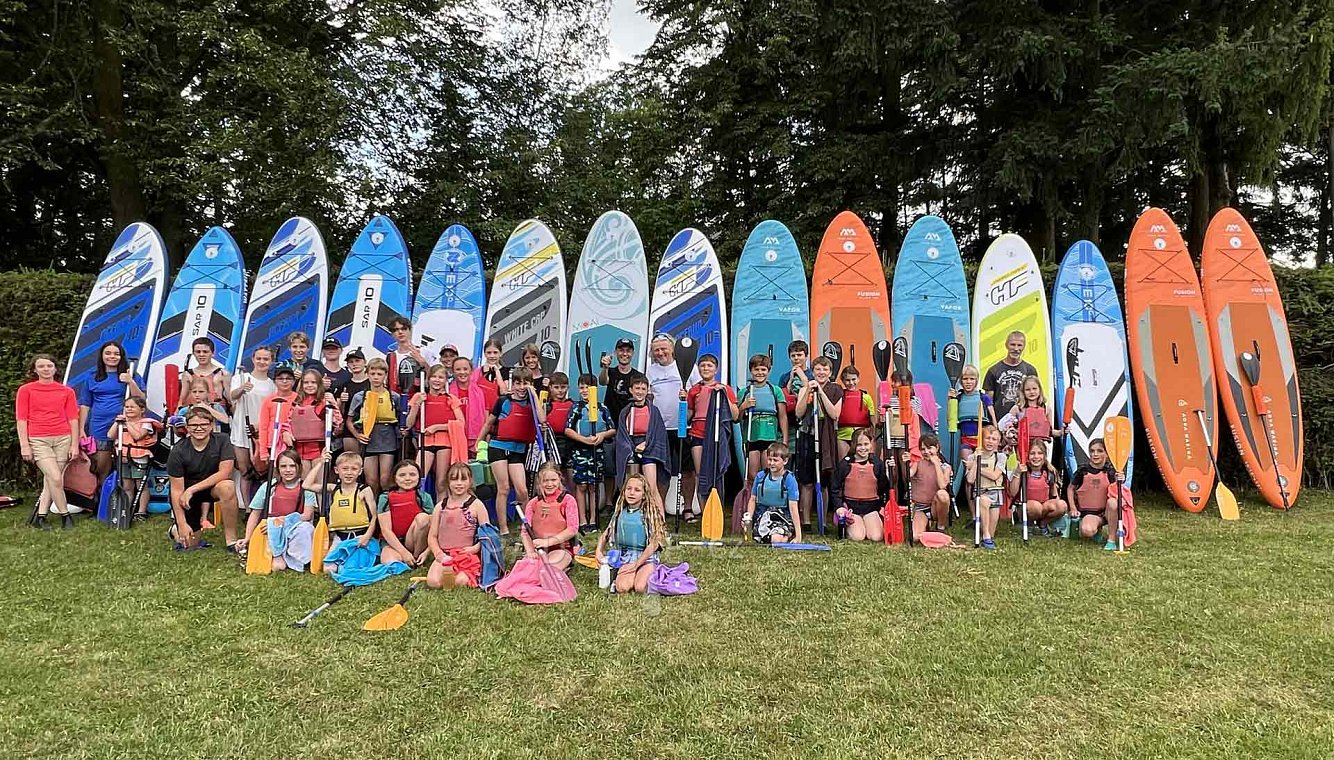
[355,353]
[449,347]
[332,342]
[284,370]
[625,343]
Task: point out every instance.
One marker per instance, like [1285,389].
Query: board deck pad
[610,299]
[374,287]
[1245,313]
[1090,351]
[290,293]
[528,296]
[124,305]
[1010,296]
[451,300]
[1169,356]
[688,296]
[849,298]
[207,300]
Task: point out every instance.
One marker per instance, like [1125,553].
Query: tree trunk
[1327,207]
[122,174]
[1199,211]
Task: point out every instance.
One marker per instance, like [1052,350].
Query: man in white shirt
[665,387]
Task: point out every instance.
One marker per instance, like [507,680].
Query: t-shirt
[247,406]
[353,388]
[105,399]
[618,388]
[338,378]
[665,386]
[697,400]
[581,422]
[1004,383]
[262,494]
[46,407]
[195,466]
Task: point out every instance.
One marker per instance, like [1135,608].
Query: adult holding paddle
[101,399]
[200,467]
[669,373]
[47,417]
[1005,379]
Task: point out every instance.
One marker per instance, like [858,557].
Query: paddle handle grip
[1068,411]
[681,414]
[905,404]
[1258,396]
[952,415]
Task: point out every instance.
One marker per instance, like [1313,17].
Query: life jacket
[860,484]
[764,489]
[997,462]
[344,508]
[590,419]
[377,408]
[970,405]
[1092,492]
[553,522]
[1037,486]
[853,413]
[558,414]
[438,410]
[700,412]
[404,373]
[762,422]
[308,421]
[1039,424]
[516,422]
[144,446]
[215,394]
[925,484]
[637,419]
[631,530]
[404,506]
[490,388]
[458,526]
[285,501]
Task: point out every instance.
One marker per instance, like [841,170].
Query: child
[357,382]
[351,506]
[494,379]
[197,395]
[404,514]
[406,361]
[637,532]
[551,515]
[1088,495]
[247,394]
[1036,483]
[929,481]
[531,360]
[986,471]
[215,378]
[276,408]
[859,489]
[453,532]
[792,381]
[443,442]
[300,360]
[641,436]
[697,401]
[774,492]
[971,402]
[1033,412]
[587,429]
[138,435]
[858,409]
[373,420]
[558,408]
[511,423]
[764,410]
[900,438]
[816,397]
[289,498]
[472,401]
[307,418]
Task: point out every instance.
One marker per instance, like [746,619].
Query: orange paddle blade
[319,546]
[711,525]
[258,559]
[1116,433]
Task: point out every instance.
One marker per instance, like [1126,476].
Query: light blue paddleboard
[929,308]
[688,296]
[124,305]
[451,300]
[1089,350]
[290,293]
[609,299]
[207,300]
[374,287]
[770,305]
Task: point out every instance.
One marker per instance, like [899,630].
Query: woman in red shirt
[47,416]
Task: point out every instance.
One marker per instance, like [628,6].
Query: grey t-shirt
[1005,382]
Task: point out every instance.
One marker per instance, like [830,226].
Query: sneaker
[39,522]
[1110,546]
[1044,531]
[66,521]
[988,543]
[141,517]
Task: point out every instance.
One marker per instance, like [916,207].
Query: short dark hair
[798,345]
[204,340]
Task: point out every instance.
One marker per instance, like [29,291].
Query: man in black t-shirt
[618,380]
[1004,381]
[200,467]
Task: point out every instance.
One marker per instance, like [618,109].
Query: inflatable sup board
[290,293]
[1010,296]
[451,300]
[528,297]
[688,296]
[849,299]
[610,298]
[374,287]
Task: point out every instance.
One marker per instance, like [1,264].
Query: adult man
[617,380]
[665,389]
[200,468]
[1005,380]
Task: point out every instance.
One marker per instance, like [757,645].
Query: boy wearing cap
[357,382]
[335,376]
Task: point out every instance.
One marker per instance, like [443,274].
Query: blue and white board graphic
[929,309]
[374,287]
[610,297]
[451,300]
[206,300]
[688,296]
[1090,350]
[528,297]
[125,303]
[290,293]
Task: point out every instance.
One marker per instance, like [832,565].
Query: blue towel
[357,565]
[290,537]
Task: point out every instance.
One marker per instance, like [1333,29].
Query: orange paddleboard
[1246,314]
[849,299]
[1169,352]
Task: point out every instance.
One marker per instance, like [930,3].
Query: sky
[630,31]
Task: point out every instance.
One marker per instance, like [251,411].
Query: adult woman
[101,399]
[248,392]
[47,418]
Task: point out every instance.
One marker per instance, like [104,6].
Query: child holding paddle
[1031,418]
[587,429]
[1037,485]
[289,498]
[928,481]
[531,360]
[373,420]
[558,410]
[764,414]
[820,401]
[453,533]
[307,417]
[509,430]
[404,514]
[857,410]
[351,505]
[553,517]
[138,435]
[442,424]
[859,489]
[1090,494]
[633,538]
[697,401]
[985,471]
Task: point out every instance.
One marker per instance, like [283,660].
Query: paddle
[880,356]
[1250,363]
[711,527]
[686,352]
[319,542]
[549,576]
[396,616]
[259,559]
[107,503]
[750,544]
[1116,434]
[899,357]
[954,355]
[305,621]
[977,481]
[1023,458]
[817,398]
[1228,508]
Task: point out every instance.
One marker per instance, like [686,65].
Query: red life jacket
[517,425]
[214,392]
[458,527]
[553,522]
[1039,425]
[558,415]
[1092,493]
[1037,486]
[285,501]
[637,420]
[860,484]
[926,484]
[853,413]
[403,509]
[437,410]
[490,388]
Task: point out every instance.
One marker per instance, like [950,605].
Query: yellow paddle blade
[319,546]
[259,560]
[587,560]
[1227,503]
[389,620]
[711,526]
[1117,435]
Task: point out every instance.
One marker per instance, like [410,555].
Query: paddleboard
[207,300]
[374,287]
[451,300]
[688,296]
[290,293]
[1009,297]
[1169,355]
[610,298]
[1090,353]
[849,299]
[1245,313]
[930,310]
[124,305]
[528,297]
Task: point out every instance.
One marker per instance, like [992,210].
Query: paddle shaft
[817,393]
[305,621]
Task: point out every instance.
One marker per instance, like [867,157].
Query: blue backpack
[493,555]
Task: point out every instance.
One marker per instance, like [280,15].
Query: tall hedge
[43,307]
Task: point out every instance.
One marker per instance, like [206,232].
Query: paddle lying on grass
[305,621]
[396,616]
[739,544]
[1228,508]
[1250,364]
[1116,435]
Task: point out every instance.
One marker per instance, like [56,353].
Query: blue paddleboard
[688,296]
[374,287]
[451,300]
[929,309]
[1089,350]
[610,297]
[290,293]
[207,300]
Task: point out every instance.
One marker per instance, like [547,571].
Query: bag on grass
[673,580]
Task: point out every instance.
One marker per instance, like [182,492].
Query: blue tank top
[631,531]
[770,493]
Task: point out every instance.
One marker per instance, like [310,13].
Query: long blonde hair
[653,512]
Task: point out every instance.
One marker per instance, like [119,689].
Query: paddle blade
[1068,412]
[953,355]
[1250,364]
[1117,435]
[900,357]
[711,526]
[833,351]
[880,355]
[319,546]
[389,620]
[259,559]
[1227,503]
[555,580]
[686,352]
[109,487]
[587,560]
[173,388]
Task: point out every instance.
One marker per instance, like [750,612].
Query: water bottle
[604,575]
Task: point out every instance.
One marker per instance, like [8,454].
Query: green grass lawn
[1208,640]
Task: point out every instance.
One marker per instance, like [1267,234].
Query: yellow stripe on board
[530,262]
[1027,316]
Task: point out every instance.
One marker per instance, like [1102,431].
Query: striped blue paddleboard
[374,287]
[451,299]
[207,300]
[929,309]
[688,296]
[609,299]
[124,305]
[290,293]
[1089,352]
